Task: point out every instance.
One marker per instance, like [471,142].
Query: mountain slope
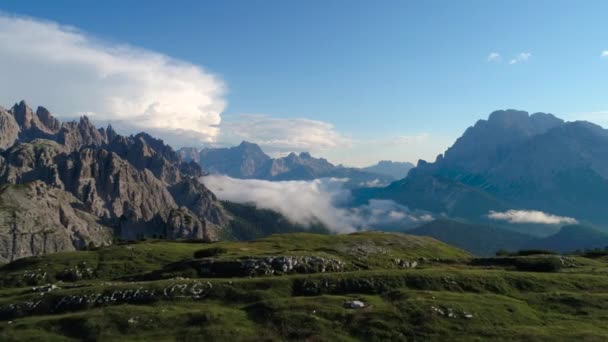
[482,240]
[571,238]
[36,218]
[397,170]
[514,161]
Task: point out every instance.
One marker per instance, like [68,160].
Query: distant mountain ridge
[248,161]
[397,170]
[513,160]
[486,239]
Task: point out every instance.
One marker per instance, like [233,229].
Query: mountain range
[248,161]
[397,170]
[66,186]
[70,185]
[513,160]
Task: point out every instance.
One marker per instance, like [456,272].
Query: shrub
[209,252]
[594,253]
[549,264]
[502,252]
[528,252]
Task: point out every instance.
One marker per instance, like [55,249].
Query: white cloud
[322,200]
[604,54]
[73,73]
[521,57]
[530,216]
[302,202]
[494,57]
[280,135]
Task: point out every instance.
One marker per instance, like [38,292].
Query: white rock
[354,304]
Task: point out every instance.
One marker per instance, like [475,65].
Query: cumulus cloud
[306,202]
[73,73]
[279,135]
[521,57]
[494,57]
[604,54]
[530,216]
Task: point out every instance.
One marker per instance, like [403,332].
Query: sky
[353,81]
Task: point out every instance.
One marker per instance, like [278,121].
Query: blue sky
[391,79]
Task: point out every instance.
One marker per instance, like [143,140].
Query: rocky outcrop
[9,129]
[36,219]
[269,265]
[33,126]
[114,190]
[110,187]
[192,194]
[75,135]
[181,222]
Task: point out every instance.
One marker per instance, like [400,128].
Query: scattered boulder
[354,304]
[405,263]
[45,288]
[269,265]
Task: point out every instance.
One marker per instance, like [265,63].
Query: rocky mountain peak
[23,114]
[47,119]
[190,154]
[489,138]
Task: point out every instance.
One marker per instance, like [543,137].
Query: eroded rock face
[9,129]
[36,219]
[181,222]
[137,185]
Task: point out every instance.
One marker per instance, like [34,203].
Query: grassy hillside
[411,288]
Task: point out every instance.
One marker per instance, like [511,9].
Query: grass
[445,298]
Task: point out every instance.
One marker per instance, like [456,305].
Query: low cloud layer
[530,216]
[306,202]
[73,74]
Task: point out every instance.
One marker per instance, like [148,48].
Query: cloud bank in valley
[530,216]
[73,74]
[306,202]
